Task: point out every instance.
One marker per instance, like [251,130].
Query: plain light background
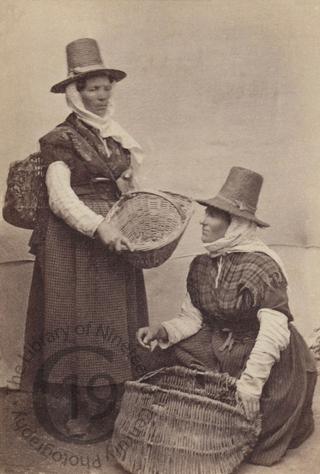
[211,84]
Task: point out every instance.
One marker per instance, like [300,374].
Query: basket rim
[175,236]
[187,371]
[35,154]
[132,384]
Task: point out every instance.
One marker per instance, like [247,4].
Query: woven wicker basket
[26,192]
[153,222]
[182,421]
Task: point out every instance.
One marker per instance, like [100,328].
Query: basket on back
[182,421]
[153,222]
[26,192]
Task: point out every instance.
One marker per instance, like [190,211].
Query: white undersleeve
[273,337]
[64,202]
[186,324]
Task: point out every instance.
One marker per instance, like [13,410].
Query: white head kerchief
[241,237]
[106,125]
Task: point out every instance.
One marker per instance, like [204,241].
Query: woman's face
[96,94]
[214,224]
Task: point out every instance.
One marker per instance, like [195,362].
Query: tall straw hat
[239,195]
[83,59]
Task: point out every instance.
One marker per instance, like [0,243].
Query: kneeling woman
[236,319]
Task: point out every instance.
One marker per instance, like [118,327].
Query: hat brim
[225,206]
[114,74]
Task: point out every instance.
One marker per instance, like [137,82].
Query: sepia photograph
[160,237]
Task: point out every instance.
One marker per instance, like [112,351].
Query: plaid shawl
[247,282]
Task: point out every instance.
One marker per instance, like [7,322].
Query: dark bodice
[84,151]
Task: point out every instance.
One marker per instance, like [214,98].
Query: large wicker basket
[153,222]
[182,421]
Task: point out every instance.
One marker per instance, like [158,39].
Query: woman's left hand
[251,404]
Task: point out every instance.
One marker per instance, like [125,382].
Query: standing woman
[85,299]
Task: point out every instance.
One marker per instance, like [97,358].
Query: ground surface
[47,455]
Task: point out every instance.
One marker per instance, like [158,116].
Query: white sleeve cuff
[64,202]
[186,324]
[273,337]
[274,329]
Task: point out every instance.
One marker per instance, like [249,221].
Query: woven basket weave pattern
[26,192]
[193,424]
[153,222]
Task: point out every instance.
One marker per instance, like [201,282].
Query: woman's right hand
[112,237]
[251,404]
[149,334]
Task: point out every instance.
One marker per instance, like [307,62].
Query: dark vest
[93,171]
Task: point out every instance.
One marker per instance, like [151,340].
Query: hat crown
[83,59]
[239,195]
[82,53]
[242,185]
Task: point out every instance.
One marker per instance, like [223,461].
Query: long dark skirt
[286,402]
[86,304]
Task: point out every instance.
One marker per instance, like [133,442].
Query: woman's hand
[250,403]
[149,334]
[112,237]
